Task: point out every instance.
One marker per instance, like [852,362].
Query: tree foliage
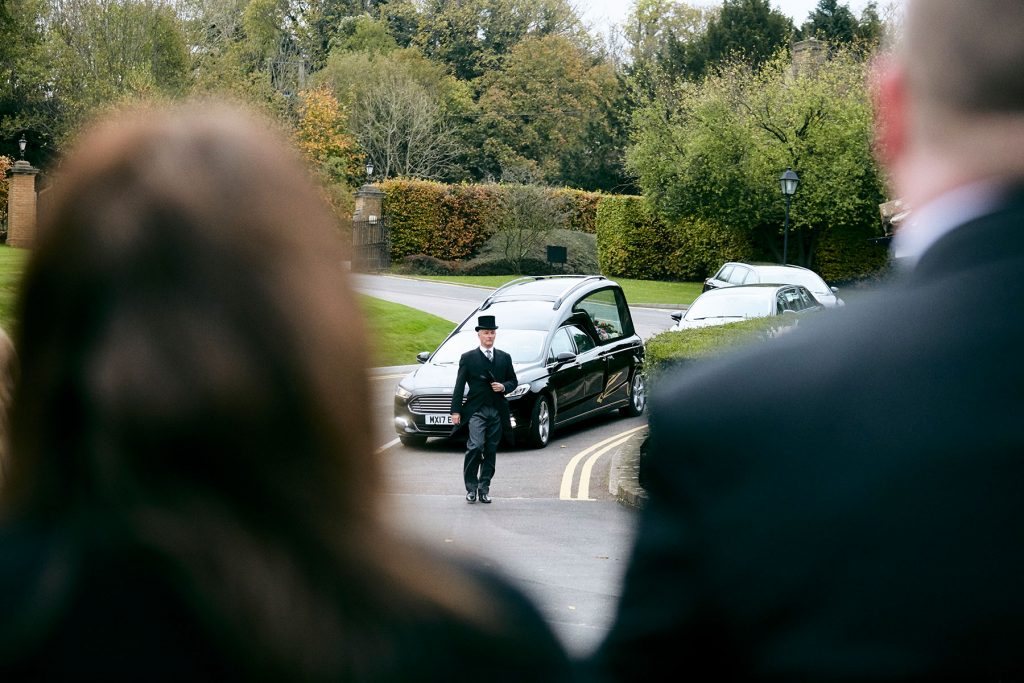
[322,135]
[715,151]
[473,37]
[549,114]
[749,30]
[834,22]
[25,106]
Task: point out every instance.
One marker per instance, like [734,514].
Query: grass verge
[12,263]
[400,332]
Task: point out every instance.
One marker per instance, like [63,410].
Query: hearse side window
[609,313]
[561,342]
[582,339]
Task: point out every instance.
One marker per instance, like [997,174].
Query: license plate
[439,419]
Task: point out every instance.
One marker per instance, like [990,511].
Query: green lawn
[637,291]
[400,332]
[12,262]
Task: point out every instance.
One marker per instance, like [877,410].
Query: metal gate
[371,244]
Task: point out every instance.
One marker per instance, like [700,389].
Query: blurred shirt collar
[926,225]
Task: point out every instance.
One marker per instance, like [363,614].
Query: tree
[472,37]
[109,50]
[528,214]
[666,37]
[714,151]
[749,30]
[26,102]
[550,113]
[322,135]
[405,114]
[832,22]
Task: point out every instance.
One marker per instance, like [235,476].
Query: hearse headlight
[518,391]
[402,393]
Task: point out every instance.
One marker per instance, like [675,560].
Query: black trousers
[482,448]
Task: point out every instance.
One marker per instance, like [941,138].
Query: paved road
[455,302]
[555,527]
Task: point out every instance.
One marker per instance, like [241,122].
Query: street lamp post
[369,171]
[789,180]
[22,144]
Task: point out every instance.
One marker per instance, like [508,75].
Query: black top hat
[485,322]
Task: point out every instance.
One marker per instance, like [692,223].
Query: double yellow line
[591,454]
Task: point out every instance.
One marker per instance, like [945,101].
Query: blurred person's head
[950,97]
[194,378]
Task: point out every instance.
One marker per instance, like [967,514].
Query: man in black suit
[489,373]
[848,503]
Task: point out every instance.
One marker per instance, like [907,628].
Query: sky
[603,13]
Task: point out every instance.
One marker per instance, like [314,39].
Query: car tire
[637,395]
[412,441]
[541,420]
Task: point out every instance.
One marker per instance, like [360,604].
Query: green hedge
[669,350]
[448,222]
[849,255]
[633,242]
[452,222]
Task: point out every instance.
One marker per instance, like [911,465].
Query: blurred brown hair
[194,383]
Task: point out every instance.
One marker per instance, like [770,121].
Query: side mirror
[677,316]
[423,356]
[834,289]
[563,358]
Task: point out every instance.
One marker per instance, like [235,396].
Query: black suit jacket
[848,503]
[476,372]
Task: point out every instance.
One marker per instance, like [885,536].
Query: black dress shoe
[484,498]
[471,497]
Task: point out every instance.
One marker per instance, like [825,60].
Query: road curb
[624,477]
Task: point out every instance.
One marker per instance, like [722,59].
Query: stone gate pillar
[369,203]
[21,204]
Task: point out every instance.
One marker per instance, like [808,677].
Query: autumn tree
[322,135]
[406,117]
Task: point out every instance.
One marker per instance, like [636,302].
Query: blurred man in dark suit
[489,374]
[848,503]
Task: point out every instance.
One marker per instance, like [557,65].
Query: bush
[633,242]
[674,349]
[421,264]
[581,209]
[448,222]
[581,256]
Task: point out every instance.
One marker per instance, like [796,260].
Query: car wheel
[412,441]
[540,422]
[637,395]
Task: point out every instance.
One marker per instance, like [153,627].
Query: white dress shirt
[925,226]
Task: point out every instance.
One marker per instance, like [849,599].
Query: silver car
[735,273]
[730,304]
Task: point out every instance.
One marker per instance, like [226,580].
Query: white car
[734,273]
[730,304]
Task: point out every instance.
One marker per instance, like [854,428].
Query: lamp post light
[369,170]
[22,144]
[788,180]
